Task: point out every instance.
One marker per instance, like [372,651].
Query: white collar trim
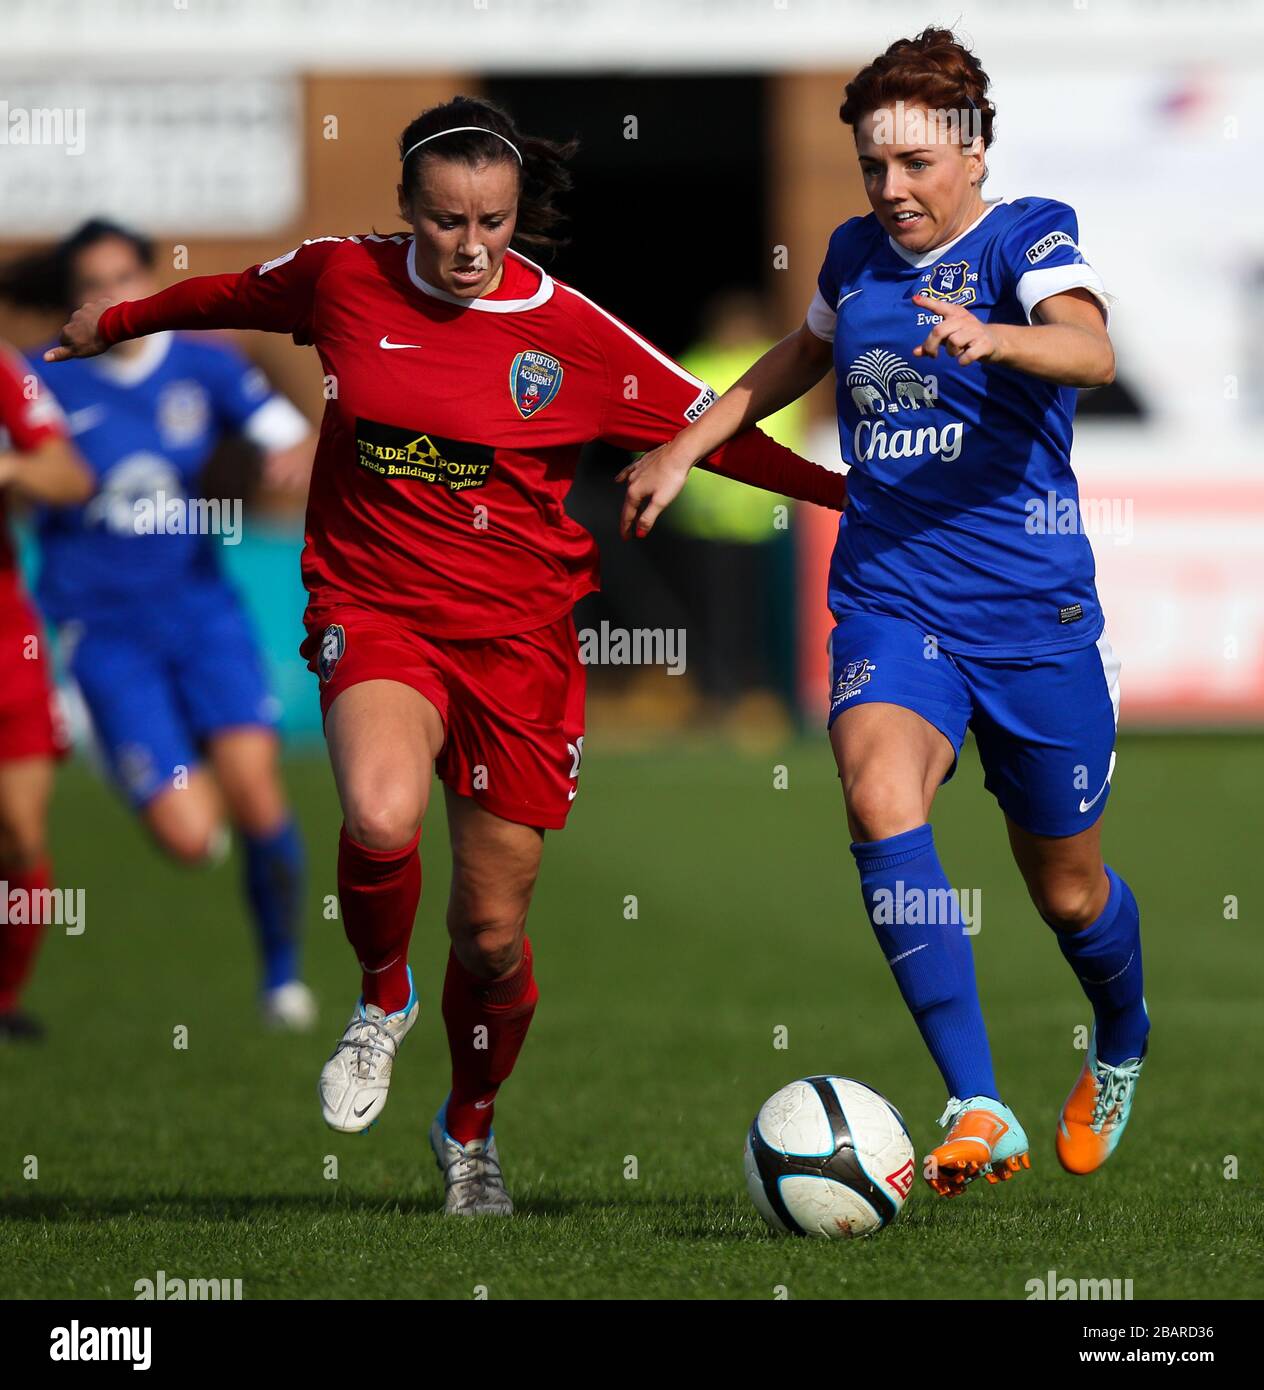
[131,371]
[936,253]
[487,306]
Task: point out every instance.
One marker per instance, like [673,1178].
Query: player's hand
[8,466]
[959,334]
[654,481]
[80,338]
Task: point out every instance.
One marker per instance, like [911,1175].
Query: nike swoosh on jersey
[1110,771]
[386,343]
[846,297]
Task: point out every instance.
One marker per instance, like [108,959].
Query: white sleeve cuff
[1036,285]
[821,319]
[276,425]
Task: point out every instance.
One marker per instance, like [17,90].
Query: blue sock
[1106,958]
[932,962]
[274,886]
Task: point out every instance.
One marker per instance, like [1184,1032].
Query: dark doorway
[658,224]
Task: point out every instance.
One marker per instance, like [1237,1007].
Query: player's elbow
[1101,370]
[1107,373]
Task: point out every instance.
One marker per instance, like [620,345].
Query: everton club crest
[948,282]
[534,379]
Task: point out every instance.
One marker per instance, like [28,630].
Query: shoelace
[953,1109]
[1114,1086]
[365,1044]
[467,1169]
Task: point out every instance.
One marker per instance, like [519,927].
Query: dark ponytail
[45,279]
[542,175]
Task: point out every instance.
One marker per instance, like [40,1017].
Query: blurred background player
[442,570]
[154,637]
[37,466]
[951,610]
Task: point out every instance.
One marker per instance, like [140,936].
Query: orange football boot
[985,1138]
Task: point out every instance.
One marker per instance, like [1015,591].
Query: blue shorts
[160,686]
[1045,725]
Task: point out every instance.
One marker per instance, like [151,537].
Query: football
[828,1156]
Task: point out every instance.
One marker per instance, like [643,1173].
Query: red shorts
[512,707]
[29,726]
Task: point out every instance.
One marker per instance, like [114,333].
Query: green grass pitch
[651,1050]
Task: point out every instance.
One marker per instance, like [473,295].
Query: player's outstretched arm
[275,297]
[723,439]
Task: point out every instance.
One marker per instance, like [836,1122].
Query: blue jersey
[955,471]
[146,426]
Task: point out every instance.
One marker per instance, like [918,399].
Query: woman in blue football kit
[155,639]
[958,331]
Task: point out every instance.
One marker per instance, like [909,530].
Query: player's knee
[195,845]
[1069,902]
[489,943]
[383,822]
[488,950]
[878,808]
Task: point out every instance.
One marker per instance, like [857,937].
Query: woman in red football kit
[37,465]
[442,568]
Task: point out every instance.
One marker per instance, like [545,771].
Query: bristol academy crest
[534,379]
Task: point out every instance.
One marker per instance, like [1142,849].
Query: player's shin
[379,890]
[274,887]
[487,1022]
[910,906]
[1106,958]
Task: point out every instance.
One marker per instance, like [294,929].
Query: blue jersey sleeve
[244,402]
[236,386]
[822,315]
[1040,255]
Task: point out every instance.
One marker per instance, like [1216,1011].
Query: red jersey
[453,427]
[28,416]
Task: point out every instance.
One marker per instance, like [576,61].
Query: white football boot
[355,1080]
[290,1008]
[473,1185]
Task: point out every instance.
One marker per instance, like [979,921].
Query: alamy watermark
[163,515]
[61,907]
[170,1288]
[905,906]
[919,125]
[79,1342]
[44,125]
[1052,515]
[637,646]
[1051,1287]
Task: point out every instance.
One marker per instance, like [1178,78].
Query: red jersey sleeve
[276,297]
[29,413]
[650,399]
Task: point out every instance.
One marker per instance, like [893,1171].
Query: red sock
[19,941]
[379,890]
[482,1060]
